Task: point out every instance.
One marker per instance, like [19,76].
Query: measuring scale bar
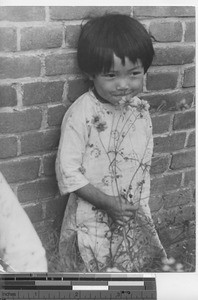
[100,287]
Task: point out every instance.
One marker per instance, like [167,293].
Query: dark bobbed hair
[102,37]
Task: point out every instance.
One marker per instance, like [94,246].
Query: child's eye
[136,73]
[109,75]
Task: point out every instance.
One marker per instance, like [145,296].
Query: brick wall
[39,79]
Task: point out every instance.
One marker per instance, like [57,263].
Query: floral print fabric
[111,148]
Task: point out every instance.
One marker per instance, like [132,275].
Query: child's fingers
[119,222]
[127,213]
[129,207]
[125,205]
[122,222]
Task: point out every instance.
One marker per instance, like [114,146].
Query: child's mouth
[123,94]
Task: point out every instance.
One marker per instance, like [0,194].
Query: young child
[105,153]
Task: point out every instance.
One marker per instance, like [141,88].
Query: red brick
[34,212]
[161,81]
[165,31]
[161,123]
[185,248]
[49,165]
[159,164]
[72,35]
[76,88]
[41,37]
[55,208]
[165,183]
[183,160]
[42,92]
[169,143]
[189,77]
[175,235]
[8,147]
[178,238]
[40,141]
[22,13]
[164,11]
[177,198]
[64,63]
[167,234]
[20,121]
[191,139]
[55,115]
[174,55]
[45,230]
[20,170]
[19,67]
[170,101]
[189,177]
[37,190]
[190,31]
[82,12]
[8,38]
[156,203]
[184,120]
[8,96]
[174,216]
[186,213]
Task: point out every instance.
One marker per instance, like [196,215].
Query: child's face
[120,80]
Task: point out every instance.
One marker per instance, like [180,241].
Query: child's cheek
[137,84]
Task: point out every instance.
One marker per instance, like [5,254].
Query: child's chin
[116,100]
[113,102]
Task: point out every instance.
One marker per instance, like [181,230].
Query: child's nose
[122,84]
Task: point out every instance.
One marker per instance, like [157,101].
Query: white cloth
[20,247]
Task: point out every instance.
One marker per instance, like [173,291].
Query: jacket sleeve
[74,136]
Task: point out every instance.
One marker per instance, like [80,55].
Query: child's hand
[120,210]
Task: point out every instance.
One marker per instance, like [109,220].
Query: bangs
[103,57]
[113,34]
